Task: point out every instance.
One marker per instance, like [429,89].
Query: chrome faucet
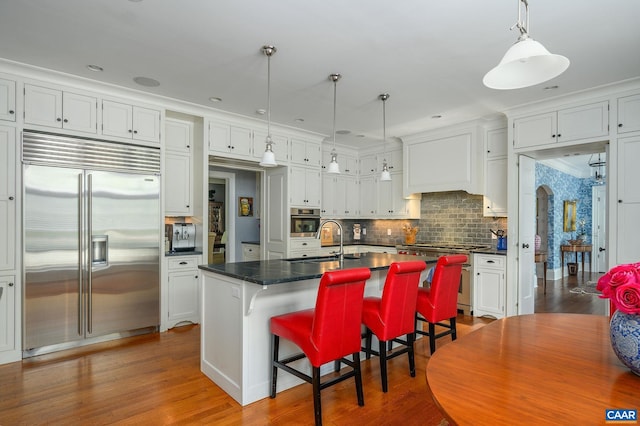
[341,253]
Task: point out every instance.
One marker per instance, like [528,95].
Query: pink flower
[627,298]
[622,285]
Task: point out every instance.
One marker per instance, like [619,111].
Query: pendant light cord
[335,84]
[269,96]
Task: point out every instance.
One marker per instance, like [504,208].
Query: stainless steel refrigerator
[92,230]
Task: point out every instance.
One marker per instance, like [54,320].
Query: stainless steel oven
[465,292]
[304,222]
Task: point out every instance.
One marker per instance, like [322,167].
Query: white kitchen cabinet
[178,166]
[340,196]
[489,285]
[7,314]
[628,205]
[304,247]
[280,146]
[49,107]
[232,140]
[305,187]
[329,196]
[495,173]
[250,252]
[368,196]
[7,198]
[305,153]
[7,100]
[130,121]
[183,290]
[178,136]
[629,114]
[369,165]
[564,125]
[178,184]
[348,163]
[391,203]
[450,160]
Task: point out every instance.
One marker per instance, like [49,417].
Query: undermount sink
[321,259]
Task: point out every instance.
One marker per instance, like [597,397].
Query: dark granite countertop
[360,243]
[490,250]
[267,272]
[182,253]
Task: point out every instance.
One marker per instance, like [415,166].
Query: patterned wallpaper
[562,187]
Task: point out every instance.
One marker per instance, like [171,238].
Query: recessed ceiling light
[299,120]
[343,132]
[436,117]
[261,111]
[215,99]
[146,81]
[96,68]
[550,88]
[359,136]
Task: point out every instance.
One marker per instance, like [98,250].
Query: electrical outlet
[493,236]
[338,231]
[388,231]
[364,231]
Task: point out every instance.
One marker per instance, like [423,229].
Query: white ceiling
[429,56]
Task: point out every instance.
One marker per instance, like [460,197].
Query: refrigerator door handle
[89,245]
[80,252]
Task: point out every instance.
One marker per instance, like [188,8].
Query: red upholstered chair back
[399,295]
[336,325]
[444,287]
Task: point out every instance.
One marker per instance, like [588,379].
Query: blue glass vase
[625,339]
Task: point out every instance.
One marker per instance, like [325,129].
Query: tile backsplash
[445,217]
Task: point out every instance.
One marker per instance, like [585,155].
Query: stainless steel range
[465,295]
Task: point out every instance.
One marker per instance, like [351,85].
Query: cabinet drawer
[304,244]
[488,261]
[183,262]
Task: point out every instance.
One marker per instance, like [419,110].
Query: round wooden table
[532,369]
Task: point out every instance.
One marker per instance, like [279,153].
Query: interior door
[526,234]
[599,235]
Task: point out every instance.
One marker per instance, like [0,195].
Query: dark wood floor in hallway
[156,379]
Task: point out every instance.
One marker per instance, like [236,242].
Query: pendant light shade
[268,157]
[334,167]
[527,62]
[385,175]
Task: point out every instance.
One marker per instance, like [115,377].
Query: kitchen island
[238,299]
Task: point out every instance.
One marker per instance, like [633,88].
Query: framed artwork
[245,206]
[569,224]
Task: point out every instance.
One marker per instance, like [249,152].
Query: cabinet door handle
[619,124]
[559,135]
[553,136]
[490,261]
[10,198]
[130,131]
[135,132]
[525,245]
[183,263]
[58,119]
[12,112]
[65,121]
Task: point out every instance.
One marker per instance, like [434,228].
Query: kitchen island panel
[236,341]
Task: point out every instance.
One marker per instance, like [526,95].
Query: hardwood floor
[156,379]
[559,297]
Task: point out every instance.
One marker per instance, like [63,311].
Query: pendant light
[268,157]
[334,167]
[385,175]
[527,62]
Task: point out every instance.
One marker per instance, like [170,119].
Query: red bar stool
[440,301]
[327,333]
[393,315]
